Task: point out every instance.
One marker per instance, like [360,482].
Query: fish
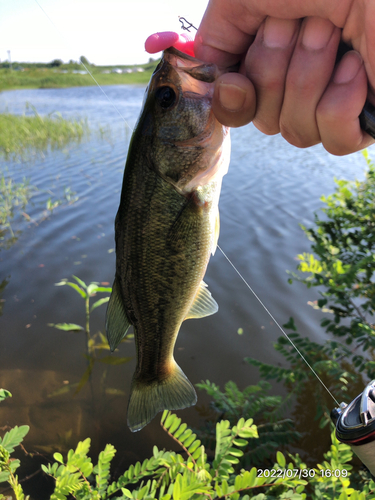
[166,228]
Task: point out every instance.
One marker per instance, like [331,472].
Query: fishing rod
[354,422]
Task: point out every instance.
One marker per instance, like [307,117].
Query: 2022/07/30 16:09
[301,473]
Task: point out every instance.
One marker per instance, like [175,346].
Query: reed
[20,135]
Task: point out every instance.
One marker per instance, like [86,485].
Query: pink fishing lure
[161,41]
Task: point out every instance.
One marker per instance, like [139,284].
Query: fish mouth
[193,80]
[205,72]
[185,73]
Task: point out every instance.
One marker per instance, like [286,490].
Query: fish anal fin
[116,322]
[203,305]
[175,392]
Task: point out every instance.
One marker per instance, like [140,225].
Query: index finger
[228,27]
[219,39]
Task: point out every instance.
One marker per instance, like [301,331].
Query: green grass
[20,135]
[42,78]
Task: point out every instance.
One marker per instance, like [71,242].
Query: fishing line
[278,325]
[86,68]
[182,19]
[190,25]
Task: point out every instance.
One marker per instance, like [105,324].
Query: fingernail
[278,33]
[317,33]
[348,67]
[231,97]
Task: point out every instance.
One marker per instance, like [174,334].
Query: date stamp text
[301,473]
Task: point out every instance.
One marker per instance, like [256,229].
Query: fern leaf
[14,437]
[105,458]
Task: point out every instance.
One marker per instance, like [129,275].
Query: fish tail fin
[175,392]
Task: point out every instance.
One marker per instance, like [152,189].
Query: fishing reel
[355,425]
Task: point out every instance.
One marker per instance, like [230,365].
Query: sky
[104,31]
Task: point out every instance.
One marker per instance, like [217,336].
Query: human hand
[288,81]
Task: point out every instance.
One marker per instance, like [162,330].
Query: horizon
[154,59]
[107,33]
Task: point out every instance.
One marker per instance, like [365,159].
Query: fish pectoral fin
[116,322]
[183,227]
[174,392]
[203,305]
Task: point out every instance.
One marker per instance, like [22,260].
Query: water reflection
[3,284]
[97,348]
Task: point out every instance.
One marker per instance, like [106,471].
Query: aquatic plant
[95,343]
[14,196]
[22,135]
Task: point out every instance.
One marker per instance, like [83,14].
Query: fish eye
[166,97]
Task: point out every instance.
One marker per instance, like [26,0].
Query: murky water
[270,189]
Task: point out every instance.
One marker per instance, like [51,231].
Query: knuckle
[296,137]
[266,126]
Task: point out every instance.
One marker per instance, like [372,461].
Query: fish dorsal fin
[204,304]
[216,233]
[116,322]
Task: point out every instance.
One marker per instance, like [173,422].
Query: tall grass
[20,135]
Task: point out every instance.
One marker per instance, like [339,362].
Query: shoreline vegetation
[59,75]
[20,134]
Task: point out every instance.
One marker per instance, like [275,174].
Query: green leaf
[177,488]
[240,442]
[58,457]
[4,476]
[80,282]
[280,459]
[14,437]
[127,493]
[85,378]
[4,394]
[77,289]
[103,289]
[67,327]
[91,289]
[99,303]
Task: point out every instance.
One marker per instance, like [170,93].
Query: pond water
[271,188]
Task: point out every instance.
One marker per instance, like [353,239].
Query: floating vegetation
[14,197]
[21,135]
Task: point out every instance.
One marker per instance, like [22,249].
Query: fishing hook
[182,19]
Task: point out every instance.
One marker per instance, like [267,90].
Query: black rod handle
[367,119]
[367,116]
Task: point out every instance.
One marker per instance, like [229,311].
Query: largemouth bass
[166,227]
